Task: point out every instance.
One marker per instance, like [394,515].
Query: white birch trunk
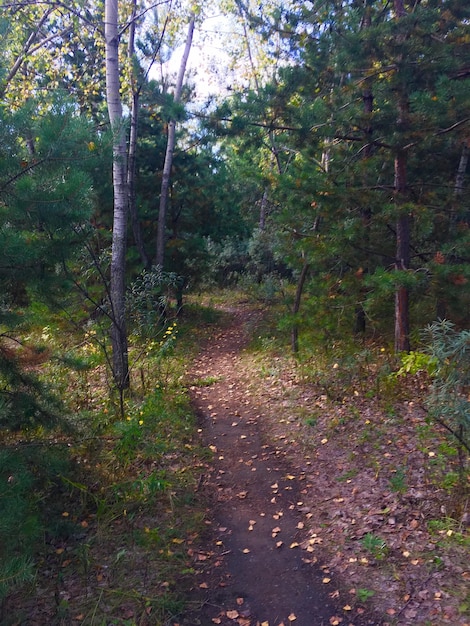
[118,254]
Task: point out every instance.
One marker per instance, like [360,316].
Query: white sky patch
[210,61]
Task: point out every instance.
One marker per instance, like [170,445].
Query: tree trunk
[296,307]
[131,165]
[402,262]
[460,178]
[170,146]
[263,210]
[402,323]
[118,252]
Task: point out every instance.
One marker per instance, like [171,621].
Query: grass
[121,513]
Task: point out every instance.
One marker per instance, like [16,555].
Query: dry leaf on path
[233,614]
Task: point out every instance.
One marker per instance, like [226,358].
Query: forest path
[252,570]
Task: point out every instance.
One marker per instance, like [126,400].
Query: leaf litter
[344,495]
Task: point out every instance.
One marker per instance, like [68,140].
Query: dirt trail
[253,570]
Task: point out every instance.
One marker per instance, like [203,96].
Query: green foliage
[414,362]
[29,479]
[449,351]
[148,300]
[398,481]
[363,594]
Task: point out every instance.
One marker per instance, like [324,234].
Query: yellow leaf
[347,607]
[245,551]
[204,586]
[292,617]
[294,545]
[326,580]
[232,614]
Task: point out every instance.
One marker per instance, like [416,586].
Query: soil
[253,570]
[289,510]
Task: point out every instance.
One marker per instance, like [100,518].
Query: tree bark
[131,164]
[296,307]
[460,178]
[118,252]
[170,146]
[402,262]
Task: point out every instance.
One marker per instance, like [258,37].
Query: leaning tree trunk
[170,146]
[118,253]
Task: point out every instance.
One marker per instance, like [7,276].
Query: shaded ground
[321,509]
[254,570]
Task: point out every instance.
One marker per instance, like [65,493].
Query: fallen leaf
[245,551]
[294,545]
[292,617]
[204,586]
[233,614]
[326,580]
[240,601]
[300,525]
[335,620]
[347,607]
[217,620]
[279,544]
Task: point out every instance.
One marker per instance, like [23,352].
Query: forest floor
[314,493]
[321,510]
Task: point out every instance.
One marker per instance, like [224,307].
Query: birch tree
[120,359]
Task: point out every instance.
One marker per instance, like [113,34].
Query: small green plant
[311,421]
[414,362]
[397,481]
[347,475]
[364,594]
[205,382]
[375,545]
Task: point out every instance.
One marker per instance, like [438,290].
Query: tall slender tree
[170,146]
[121,199]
